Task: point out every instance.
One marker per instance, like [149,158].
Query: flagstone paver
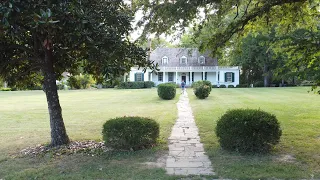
[186,153]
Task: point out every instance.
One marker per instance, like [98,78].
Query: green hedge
[222,86]
[248,130]
[130,133]
[215,86]
[167,91]
[242,86]
[230,86]
[136,85]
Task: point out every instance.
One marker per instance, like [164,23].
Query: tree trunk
[58,131]
[266,76]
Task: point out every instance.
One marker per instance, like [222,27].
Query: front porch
[189,74]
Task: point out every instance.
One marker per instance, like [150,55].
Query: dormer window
[202,60]
[165,60]
[183,60]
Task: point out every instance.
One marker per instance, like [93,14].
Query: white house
[189,65]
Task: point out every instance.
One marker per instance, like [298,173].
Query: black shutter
[205,76]
[225,77]
[232,77]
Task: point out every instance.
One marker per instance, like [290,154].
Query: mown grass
[25,122]
[299,115]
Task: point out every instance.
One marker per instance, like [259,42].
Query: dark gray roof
[174,55]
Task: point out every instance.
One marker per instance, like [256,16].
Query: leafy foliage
[230,86]
[247,130]
[130,133]
[202,89]
[222,19]
[258,84]
[222,86]
[167,91]
[81,81]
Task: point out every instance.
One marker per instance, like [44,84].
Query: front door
[183,78]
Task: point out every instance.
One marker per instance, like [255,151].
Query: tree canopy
[48,37]
[223,18]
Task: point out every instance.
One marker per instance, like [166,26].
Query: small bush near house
[202,91]
[167,91]
[248,131]
[5,89]
[242,86]
[215,86]
[136,85]
[199,83]
[258,84]
[149,84]
[230,86]
[222,86]
[127,133]
[131,85]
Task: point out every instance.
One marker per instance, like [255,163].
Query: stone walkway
[186,153]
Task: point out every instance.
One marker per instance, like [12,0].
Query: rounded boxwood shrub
[222,86]
[202,91]
[230,86]
[127,133]
[215,86]
[167,91]
[248,130]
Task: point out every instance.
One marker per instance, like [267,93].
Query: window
[170,76]
[165,60]
[183,60]
[202,60]
[228,77]
[139,77]
[160,76]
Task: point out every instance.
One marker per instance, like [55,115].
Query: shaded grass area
[25,122]
[297,156]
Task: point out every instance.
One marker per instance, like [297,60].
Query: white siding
[211,76]
[197,76]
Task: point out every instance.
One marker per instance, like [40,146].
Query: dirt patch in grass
[159,163]
[286,158]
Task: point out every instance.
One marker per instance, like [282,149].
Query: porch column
[217,72]
[203,75]
[164,74]
[176,77]
[151,76]
[221,80]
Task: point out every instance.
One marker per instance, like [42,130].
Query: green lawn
[299,115]
[25,122]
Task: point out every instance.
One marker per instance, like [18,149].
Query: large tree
[48,37]
[223,18]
